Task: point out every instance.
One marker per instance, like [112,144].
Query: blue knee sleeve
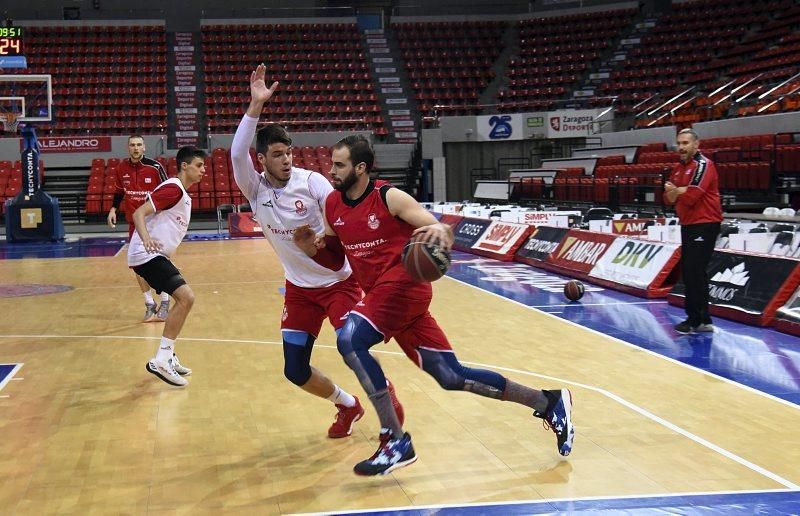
[353,342]
[451,375]
[297,347]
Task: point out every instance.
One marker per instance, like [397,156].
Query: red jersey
[373,238]
[136,180]
[700,204]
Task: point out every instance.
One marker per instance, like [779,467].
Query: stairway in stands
[68,185]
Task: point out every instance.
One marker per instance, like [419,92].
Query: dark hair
[269,134]
[135,135]
[360,150]
[188,154]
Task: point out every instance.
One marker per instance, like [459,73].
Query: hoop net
[10,121]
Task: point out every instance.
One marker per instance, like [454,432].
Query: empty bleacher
[555,53]
[97,87]
[324,80]
[449,63]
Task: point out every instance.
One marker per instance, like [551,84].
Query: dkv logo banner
[635,263]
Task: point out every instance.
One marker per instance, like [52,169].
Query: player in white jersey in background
[284,198]
[161,223]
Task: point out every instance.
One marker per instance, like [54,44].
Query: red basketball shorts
[400,311]
[304,309]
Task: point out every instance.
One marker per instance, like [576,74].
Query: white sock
[164,297]
[166,349]
[340,397]
[148,298]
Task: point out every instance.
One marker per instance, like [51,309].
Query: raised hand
[258,88]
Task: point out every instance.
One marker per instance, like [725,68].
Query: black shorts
[160,274]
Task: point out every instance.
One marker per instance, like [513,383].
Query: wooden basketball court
[85,429]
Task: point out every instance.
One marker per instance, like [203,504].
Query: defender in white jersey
[284,198]
[161,223]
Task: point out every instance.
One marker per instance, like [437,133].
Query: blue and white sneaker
[180,368]
[390,455]
[558,418]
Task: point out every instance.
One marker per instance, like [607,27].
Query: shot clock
[11,41]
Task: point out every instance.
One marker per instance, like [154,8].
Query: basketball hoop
[10,121]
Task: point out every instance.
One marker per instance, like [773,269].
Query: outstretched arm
[259,93]
[402,205]
[244,173]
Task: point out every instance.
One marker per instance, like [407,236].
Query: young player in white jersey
[161,223]
[282,199]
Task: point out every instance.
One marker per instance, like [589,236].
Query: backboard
[29,98]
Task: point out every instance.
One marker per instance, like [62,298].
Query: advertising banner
[468,232]
[580,250]
[540,244]
[752,284]
[74,144]
[541,218]
[572,123]
[499,127]
[633,226]
[501,239]
[636,263]
[243,225]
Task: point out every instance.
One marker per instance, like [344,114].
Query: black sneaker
[684,328]
[558,418]
[390,455]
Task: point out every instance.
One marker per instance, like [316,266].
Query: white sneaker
[180,368]
[163,311]
[150,314]
[166,371]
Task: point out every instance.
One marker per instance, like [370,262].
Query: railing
[277,12]
[639,191]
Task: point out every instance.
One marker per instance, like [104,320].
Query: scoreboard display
[11,41]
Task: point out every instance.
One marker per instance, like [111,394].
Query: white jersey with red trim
[280,210]
[168,226]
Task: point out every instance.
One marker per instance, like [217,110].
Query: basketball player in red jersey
[284,197]
[136,177]
[369,222]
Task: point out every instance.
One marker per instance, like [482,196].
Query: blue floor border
[760,358]
[747,502]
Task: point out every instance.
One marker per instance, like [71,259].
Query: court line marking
[649,415]
[282,282]
[638,348]
[596,304]
[550,500]
[10,376]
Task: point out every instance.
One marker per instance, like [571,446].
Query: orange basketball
[425,262]
[573,290]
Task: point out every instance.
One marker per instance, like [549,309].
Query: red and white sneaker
[398,407]
[345,418]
